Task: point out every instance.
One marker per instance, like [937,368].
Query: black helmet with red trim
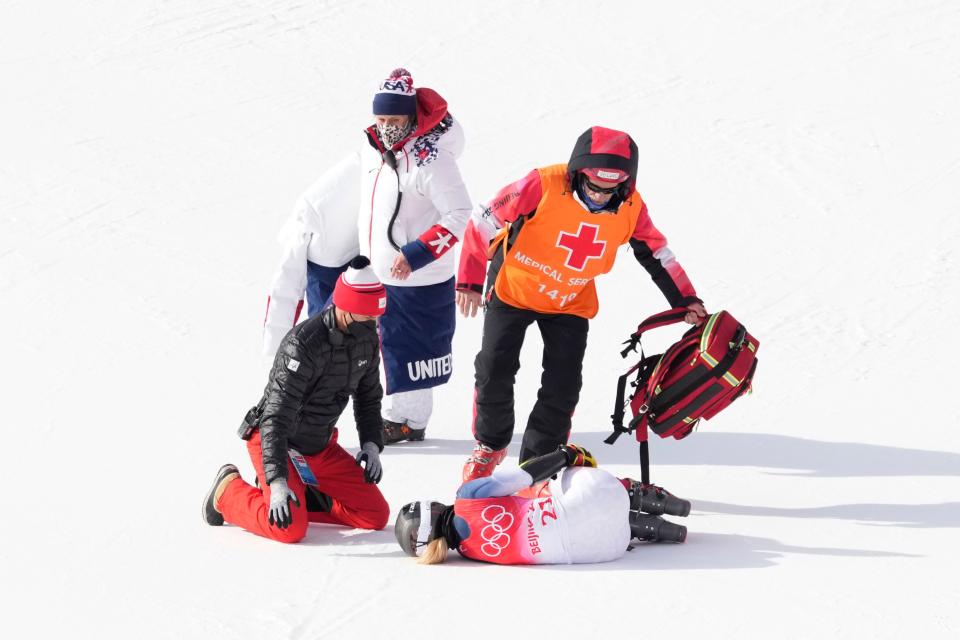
[605,154]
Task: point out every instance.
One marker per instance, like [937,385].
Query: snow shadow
[795,456]
[729,551]
[448,447]
[701,550]
[707,551]
[437,446]
[331,535]
[916,516]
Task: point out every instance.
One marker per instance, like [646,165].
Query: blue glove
[280,497]
[369,459]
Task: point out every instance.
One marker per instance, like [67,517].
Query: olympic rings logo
[495,535]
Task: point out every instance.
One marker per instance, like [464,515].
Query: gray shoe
[211,515]
[394,432]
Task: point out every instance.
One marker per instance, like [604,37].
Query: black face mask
[362,329]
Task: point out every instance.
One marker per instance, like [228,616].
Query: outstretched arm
[566,455]
[504,482]
[366,405]
[650,249]
[507,481]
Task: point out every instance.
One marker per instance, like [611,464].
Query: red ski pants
[355,502]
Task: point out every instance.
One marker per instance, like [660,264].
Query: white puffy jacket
[433,194]
[347,212]
[321,229]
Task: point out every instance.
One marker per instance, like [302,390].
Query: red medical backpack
[700,375]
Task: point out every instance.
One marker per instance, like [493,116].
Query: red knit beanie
[359,291]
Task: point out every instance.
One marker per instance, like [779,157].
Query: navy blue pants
[416,336]
[320,283]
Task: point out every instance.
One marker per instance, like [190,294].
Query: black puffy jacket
[316,370]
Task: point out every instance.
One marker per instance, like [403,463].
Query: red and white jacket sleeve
[441,182]
[513,201]
[651,250]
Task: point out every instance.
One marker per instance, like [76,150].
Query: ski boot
[317,501]
[211,515]
[656,501]
[650,528]
[394,432]
[482,462]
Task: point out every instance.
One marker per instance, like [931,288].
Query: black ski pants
[496,366]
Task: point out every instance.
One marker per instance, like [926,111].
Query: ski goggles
[590,186]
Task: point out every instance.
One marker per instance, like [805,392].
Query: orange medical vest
[560,250]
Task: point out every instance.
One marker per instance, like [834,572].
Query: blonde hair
[435,553]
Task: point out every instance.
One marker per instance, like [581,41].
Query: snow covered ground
[803,157]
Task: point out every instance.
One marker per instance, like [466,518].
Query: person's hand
[280,497]
[401,268]
[369,459]
[577,456]
[469,302]
[696,314]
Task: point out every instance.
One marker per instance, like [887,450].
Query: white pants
[412,407]
[597,514]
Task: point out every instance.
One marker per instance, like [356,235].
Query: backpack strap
[746,383]
[662,319]
[618,406]
[643,368]
[645,461]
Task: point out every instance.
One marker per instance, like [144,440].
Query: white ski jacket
[434,205]
[349,210]
[322,229]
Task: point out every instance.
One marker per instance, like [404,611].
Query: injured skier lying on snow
[557,508]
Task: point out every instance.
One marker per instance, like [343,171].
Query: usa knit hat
[359,291]
[396,95]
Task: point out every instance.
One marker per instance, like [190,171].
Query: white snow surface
[801,156]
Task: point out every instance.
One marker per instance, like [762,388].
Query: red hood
[431,108]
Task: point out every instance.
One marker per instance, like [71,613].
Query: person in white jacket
[319,240]
[400,200]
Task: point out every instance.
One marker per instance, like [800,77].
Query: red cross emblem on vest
[581,246]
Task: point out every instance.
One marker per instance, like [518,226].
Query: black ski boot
[227,474]
[650,528]
[394,432]
[657,501]
[317,501]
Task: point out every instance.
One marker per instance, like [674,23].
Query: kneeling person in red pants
[303,474]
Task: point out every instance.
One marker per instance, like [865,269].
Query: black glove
[280,497]
[369,459]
